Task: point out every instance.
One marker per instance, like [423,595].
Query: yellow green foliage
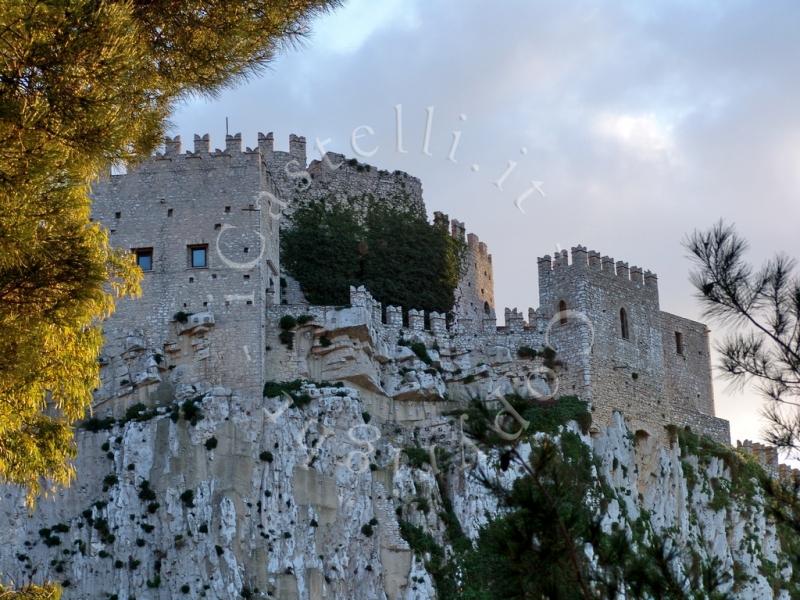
[85,85]
[32,592]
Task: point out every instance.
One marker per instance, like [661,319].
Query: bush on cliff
[401,258]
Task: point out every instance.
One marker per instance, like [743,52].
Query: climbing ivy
[401,258]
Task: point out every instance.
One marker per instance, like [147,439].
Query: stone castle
[205,227]
[196,476]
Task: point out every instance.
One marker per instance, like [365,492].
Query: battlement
[583,260]
[458,231]
[767,457]
[173,149]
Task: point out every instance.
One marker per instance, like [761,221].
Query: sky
[621,126]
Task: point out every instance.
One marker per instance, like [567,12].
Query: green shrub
[187,498]
[211,443]
[145,492]
[110,481]
[273,389]
[138,412]
[324,341]
[266,456]
[192,412]
[94,424]
[417,457]
[401,258]
[366,416]
[181,317]
[287,338]
[367,530]
[526,352]
[287,322]
[303,319]
[301,400]
[421,351]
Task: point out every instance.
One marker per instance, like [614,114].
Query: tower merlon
[580,257]
[201,143]
[636,275]
[440,219]
[297,148]
[266,144]
[233,143]
[545,265]
[458,229]
[594,260]
[172,146]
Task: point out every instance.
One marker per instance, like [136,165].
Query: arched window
[623,322]
[487,310]
[562,312]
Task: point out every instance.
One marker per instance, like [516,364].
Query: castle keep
[205,227]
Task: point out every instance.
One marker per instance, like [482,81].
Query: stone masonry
[615,347]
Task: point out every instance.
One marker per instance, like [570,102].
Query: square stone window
[198,256]
[144,258]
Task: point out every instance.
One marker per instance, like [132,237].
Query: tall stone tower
[203,225]
[621,351]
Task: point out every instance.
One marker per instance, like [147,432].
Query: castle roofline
[583,260]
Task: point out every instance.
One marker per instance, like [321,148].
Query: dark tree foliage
[535,549]
[401,258]
[762,308]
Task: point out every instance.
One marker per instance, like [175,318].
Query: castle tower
[202,226]
[474,295]
[621,351]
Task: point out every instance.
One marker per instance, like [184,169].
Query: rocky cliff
[370,488]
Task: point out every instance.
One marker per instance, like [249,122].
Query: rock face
[215,496]
[192,483]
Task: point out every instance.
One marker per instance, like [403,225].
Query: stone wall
[615,334]
[474,295]
[222,200]
[688,381]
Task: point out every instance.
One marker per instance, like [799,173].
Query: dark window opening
[117,215]
[198,256]
[562,312]
[679,342]
[144,258]
[169,212]
[227,209]
[623,322]
[487,310]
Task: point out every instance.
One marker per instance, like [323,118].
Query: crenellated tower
[623,352]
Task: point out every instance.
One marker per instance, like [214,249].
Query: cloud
[645,135]
[347,29]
